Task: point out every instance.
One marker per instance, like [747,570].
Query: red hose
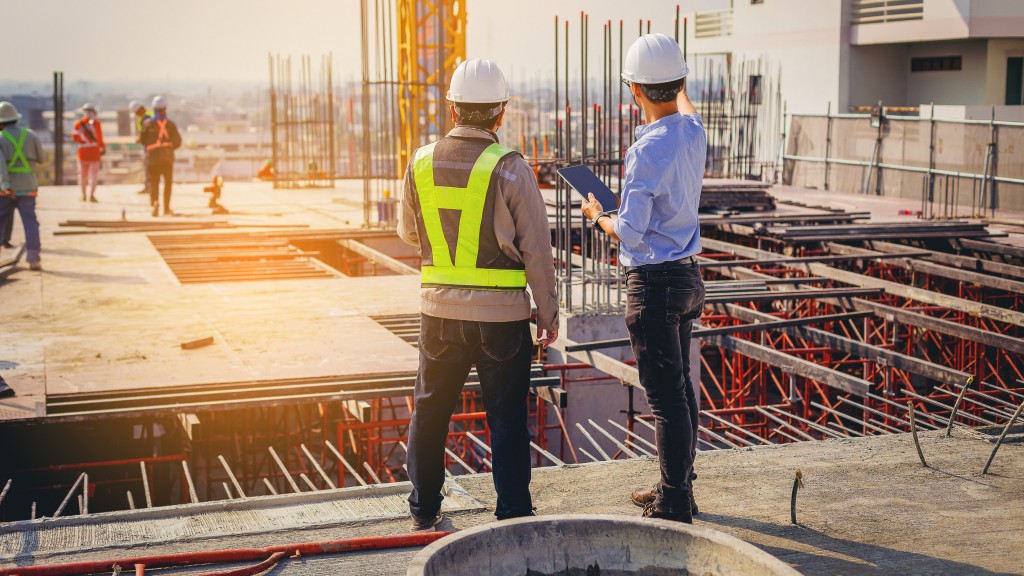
[237,555]
[252,570]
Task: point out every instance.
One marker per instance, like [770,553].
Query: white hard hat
[87,107]
[159,103]
[134,106]
[654,59]
[8,113]
[478,82]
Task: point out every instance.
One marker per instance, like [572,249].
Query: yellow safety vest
[18,164]
[470,201]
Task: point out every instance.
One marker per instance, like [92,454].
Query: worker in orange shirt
[88,133]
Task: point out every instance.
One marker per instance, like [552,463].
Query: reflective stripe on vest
[18,164]
[162,139]
[470,201]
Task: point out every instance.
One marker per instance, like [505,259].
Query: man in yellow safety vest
[474,210]
[20,153]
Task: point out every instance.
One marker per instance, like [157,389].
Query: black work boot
[651,511]
[426,524]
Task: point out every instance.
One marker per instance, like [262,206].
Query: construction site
[229,390]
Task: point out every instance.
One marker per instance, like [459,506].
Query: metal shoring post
[828,142]
[993,198]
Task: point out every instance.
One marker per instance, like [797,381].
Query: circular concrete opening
[591,545]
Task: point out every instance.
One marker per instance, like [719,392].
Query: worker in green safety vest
[474,210]
[142,117]
[20,153]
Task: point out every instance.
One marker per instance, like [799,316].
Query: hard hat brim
[633,78]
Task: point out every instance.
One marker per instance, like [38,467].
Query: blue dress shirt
[661,191]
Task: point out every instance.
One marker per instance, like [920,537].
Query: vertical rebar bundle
[302,123]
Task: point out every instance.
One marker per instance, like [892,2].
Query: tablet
[583,180]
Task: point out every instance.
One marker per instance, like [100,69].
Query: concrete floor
[107,313]
[868,508]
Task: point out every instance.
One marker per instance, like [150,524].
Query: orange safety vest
[163,140]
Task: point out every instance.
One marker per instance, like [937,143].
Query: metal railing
[985,199]
[713,23]
[880,11]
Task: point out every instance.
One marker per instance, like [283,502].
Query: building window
[1014,81]
[757,1]
[937,64]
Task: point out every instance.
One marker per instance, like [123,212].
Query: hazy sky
[228,40]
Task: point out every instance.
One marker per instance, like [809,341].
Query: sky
[213,41]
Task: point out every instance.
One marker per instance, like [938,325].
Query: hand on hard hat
[654,59]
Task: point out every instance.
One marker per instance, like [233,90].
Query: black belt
[691,260]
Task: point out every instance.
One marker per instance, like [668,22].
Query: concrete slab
[868,508]
[107,313]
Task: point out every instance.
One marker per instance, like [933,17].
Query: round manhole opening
[589,545]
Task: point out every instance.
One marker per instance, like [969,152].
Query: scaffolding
[302,123]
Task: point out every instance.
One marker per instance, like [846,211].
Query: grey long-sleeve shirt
[523,234]
[22,184]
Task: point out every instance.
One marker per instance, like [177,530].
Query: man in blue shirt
[659,235]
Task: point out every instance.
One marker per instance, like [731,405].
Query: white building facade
[964,56]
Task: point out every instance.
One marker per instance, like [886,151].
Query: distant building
[966,56]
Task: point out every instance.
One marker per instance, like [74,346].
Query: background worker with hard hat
[88,133]
[659,235]
[474,210]
[161,138]
[142,117]
[21,153]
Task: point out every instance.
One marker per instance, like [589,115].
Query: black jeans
[662,300]
[154,171]
[501,352]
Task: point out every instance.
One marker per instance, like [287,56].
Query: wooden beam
[932,268]
[893,288]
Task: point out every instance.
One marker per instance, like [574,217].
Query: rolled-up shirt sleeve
[638,192]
